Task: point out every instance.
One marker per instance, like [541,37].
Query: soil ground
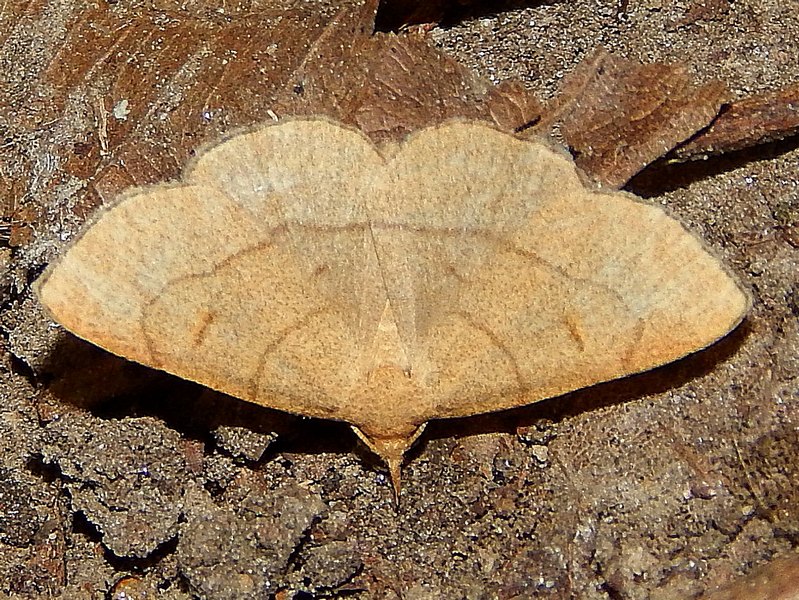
[660,486]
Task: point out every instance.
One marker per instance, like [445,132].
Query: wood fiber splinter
[300,267]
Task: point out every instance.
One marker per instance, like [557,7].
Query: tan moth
[300,267]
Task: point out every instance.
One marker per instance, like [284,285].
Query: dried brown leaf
[144,88]
[759,119]
[513,107]
[618,116]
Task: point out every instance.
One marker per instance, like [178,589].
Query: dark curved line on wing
[284,229]
[637,334]
[271,347]
[485,233]
[210,272]
[202,332]
[497,342]
[501,242]
[573,329]
[274,345]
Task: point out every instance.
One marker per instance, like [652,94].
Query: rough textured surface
[136,499]
[660,486]
[246,552]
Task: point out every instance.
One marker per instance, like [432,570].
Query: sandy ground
[116,479]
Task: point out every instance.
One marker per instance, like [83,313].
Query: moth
[301,267]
